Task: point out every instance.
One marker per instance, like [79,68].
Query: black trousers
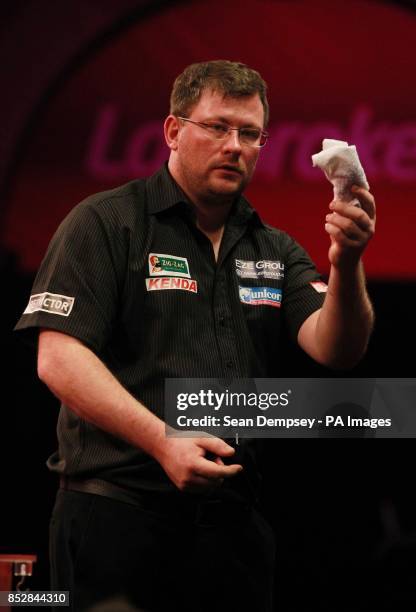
[206,560]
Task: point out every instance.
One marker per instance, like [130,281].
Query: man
[143,283]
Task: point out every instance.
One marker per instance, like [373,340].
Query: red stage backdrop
[335,69]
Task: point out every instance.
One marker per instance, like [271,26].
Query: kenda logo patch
[264,268]
[319,286]
[259,296]
[50,302]
[168,265]
[161,283]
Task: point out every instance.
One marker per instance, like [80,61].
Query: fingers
[195,463]
[216,446]
[340,238]
[208,475]
[366,200]
[358,215]
[337,225]
[215,470]
[352,226]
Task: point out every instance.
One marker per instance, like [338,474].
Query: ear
[171,130]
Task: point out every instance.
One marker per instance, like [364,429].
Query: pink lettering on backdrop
[387,150]
[98,163]
[146,150]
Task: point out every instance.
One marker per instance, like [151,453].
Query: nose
[232,142]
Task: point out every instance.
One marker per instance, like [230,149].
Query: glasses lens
[263,139]
[218,130]
[253,137]
[250,136]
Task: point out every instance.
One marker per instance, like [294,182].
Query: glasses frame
[207,126]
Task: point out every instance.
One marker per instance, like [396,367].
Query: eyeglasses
[251,137]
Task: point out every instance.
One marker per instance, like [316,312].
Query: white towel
[342,167]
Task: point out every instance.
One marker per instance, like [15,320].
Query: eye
[250,135]
[219,129]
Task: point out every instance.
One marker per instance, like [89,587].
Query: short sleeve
[77,288]
[303,289]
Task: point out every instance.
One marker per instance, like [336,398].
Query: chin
[227,187]
[225,194]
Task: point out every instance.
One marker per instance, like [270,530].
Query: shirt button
[229,364]
[221,319]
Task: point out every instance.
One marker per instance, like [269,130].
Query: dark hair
[230,78]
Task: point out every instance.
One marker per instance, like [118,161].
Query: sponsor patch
[319,286]
[264,268]
[259,296]
[168,265]
[171,282]
[50,302]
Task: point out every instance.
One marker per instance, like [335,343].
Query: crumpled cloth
[342,167]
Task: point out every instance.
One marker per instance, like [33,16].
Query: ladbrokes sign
[327,78]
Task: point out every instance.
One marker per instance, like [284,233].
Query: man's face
[213,169]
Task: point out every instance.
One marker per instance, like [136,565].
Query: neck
[209,218]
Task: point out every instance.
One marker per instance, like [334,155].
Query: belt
[96,486]
[181,505]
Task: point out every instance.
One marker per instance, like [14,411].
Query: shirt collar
[163,193]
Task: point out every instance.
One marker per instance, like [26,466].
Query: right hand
[184,461]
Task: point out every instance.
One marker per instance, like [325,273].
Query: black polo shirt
[129,274]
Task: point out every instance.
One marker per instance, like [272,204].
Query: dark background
[343,510]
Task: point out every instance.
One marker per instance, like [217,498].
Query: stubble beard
[207,189]
[220,192]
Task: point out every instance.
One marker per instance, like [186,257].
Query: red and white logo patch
[319,286]
[171,282]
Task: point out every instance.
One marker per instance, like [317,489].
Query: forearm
[82,382]
[346,319]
